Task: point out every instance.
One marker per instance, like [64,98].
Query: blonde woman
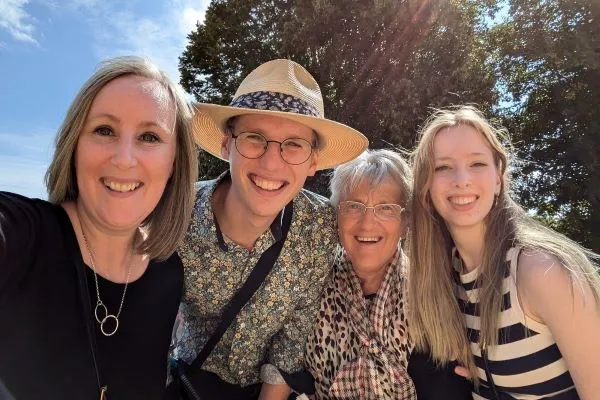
[529,297]
[89,281]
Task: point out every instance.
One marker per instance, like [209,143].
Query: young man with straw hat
[274,135]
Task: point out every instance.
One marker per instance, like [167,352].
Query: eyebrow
[144,124]
[448,158]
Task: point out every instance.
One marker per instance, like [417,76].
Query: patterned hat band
[274,101]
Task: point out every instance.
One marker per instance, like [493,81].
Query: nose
[462,177]
[124,155]
[368,218]
[272,160]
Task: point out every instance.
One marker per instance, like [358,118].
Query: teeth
[367,238]
[121,187]
[463,199]
[266,184]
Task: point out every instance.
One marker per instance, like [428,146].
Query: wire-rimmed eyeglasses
[254,145]
[355,209]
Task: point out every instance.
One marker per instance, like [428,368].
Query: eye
[441,168]
[479,164]
[387,207]
[294,144]
[251,137]
[103,131]
[149,137]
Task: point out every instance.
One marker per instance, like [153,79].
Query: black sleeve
[19,218]
[433,383]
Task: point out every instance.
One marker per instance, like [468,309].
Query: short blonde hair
[168,222]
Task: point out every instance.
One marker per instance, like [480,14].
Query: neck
[371,281]
[242,229]
[469,243]
[112,254]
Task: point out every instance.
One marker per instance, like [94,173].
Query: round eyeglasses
[254,145]
[385,212]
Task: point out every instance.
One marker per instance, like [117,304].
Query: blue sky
[48,48]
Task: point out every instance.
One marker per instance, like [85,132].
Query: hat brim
[338,143]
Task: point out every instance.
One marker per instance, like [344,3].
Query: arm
[571,313]
[286,355]
[18,218]
[437,382]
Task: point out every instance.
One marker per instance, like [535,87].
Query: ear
[225,147]
[312,168]
[498,184]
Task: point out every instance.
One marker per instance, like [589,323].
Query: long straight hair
[437,323]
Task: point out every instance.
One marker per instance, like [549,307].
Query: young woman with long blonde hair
[528,296]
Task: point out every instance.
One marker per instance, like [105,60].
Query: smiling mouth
[462,200]
[121,187]
[368,239]
[267,184]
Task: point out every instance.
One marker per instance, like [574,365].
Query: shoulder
[315,204]
[315,217]
[18,211]
[204,189]
[24,223]
[536,269]
[545,285]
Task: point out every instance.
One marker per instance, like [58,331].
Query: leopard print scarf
[370,345]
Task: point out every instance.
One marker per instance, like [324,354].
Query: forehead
[386,191]
[126,93]
[460,141]
[273,126]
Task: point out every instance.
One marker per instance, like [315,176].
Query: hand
[462,371]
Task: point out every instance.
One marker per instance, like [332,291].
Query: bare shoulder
[537,269]
[542,281]
[546,286]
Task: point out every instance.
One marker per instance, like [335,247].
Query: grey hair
[167,223]
[373,166]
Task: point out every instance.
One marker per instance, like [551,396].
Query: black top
[44,346]
[433,382]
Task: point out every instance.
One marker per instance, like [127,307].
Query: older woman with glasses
[360,347]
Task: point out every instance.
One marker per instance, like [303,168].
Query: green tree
[382,64]
[548,59]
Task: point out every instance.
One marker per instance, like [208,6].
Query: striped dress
[526,364]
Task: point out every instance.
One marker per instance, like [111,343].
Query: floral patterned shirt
[272,328]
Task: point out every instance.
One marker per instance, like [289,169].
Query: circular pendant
[100,312]
[106,331]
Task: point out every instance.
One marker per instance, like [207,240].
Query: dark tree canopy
[384,64]
[549,61]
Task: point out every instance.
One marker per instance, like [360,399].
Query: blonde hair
[436,322]
[168,222]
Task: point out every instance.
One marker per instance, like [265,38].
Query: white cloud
[162,37]
[15,20]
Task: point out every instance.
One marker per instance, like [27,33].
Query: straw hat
[284,89]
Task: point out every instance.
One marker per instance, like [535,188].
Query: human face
[125,153]
[261,187]
[370,242]
[465,178]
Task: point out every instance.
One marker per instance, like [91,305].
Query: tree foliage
[384,64]
[381,64]
[549,62]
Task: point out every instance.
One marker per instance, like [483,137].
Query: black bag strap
[259,273]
